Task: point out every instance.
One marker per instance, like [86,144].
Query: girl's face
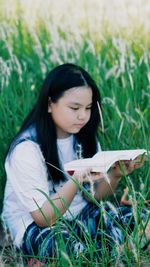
[72,111]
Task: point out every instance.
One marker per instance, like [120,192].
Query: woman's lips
[79,125]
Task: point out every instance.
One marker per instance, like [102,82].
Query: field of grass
[108,39]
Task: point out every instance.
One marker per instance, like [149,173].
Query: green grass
[120,64]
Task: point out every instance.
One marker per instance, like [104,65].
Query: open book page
[102,161]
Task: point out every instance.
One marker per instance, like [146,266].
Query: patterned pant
[92,226]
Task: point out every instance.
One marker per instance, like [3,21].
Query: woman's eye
[74,108]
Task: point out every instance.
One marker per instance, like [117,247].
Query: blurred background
[109,38]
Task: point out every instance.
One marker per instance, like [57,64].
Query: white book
[102,161]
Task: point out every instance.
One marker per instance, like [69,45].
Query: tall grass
[117,57]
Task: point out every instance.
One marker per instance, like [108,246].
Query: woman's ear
[49,105]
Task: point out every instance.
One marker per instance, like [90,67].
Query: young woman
[42,203]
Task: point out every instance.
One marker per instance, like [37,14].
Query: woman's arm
[61,202]
[108,184]
[27,172]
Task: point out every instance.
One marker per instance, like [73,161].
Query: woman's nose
[82,115]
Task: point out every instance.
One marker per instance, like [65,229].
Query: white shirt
[27,178]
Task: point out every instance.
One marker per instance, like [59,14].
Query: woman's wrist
[77,177]
[113,175]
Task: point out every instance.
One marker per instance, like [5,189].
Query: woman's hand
[87,175]
[126,167]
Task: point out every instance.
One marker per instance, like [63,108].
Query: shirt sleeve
[27,173]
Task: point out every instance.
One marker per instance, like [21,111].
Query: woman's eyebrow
[78,104]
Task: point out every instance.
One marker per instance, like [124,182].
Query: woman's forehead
[79,94]
[80,90]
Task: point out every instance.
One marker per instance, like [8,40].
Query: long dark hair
[59,80]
